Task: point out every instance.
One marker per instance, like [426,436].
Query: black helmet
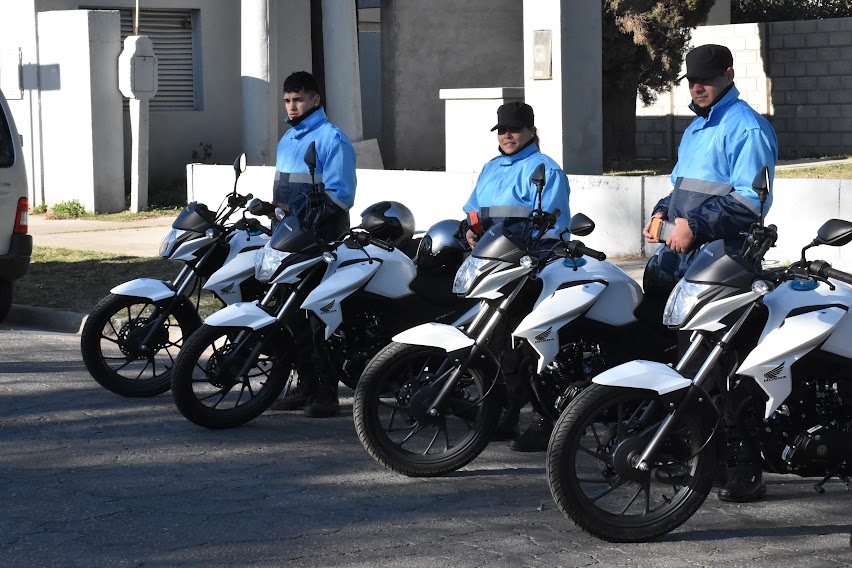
[440,248]
[389,221]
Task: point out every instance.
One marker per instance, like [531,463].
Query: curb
[45,319]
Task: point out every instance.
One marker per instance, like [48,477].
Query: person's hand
[681,236]
[471,238]
[646,232]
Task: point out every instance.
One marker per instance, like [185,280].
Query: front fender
[154,290]
[241,314]
[646,375]
[433,334]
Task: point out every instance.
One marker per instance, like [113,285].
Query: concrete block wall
[811,68]
[619,205]
[797,74]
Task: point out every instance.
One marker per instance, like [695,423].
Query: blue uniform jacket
[335,171]
[718,158]
[504,189]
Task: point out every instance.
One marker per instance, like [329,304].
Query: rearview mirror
[761,181]
[834,233]
[580,225]
[311,157]
[240,164]
[538,177]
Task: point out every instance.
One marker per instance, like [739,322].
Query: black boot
[295,399]
[535,438]
[324,403]
[507,424]
[745,479]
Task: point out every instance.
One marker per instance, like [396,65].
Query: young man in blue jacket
[721,152]
[335,175]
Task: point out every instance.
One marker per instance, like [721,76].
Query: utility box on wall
[137,68]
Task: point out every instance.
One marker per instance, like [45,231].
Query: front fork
[288,308]
[642,462]
[496,314]
[182,281]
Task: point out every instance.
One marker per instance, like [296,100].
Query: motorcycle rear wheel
[392,422]
[590,473]
[204,386]
[110,344]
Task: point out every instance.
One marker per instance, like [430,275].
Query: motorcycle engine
[571,371]
[355,342]
[812,431]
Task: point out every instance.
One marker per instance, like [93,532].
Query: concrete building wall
[798,74]
[81,109]
[429,46]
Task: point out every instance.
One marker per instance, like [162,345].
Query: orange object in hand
[660,229]
[473,222]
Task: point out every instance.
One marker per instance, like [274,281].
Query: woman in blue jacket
[503,190]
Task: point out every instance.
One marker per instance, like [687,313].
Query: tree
[788,10]
[644,43]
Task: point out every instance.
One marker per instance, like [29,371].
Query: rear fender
[154,290]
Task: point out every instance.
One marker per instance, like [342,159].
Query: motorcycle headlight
[682,301]
[467,273]
[266,262]
[174,238]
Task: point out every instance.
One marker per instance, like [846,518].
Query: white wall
[619,205]
[81,108]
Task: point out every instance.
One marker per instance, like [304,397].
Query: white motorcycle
[429,402]
[361,288]
[130,340]
[636,453]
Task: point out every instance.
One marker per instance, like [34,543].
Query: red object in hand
[473,222]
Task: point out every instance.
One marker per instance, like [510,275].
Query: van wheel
[7,288]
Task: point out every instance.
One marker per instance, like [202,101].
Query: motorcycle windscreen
[504,241]
[292,236]
[194,217]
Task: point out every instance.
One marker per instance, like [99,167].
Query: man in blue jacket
[721,152]
[335,176]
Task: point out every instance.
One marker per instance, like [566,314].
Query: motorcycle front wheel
[392,419]
[113,336]
[205,385]
[590,465]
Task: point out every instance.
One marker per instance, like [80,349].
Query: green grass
[836,171]
[75,280]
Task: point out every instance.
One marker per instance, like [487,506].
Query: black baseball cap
[514,115]
[707,61]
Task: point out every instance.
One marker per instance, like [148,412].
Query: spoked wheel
[206,384]
[590,465]
[392,419]
[122,351]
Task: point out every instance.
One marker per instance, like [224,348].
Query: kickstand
[831,473]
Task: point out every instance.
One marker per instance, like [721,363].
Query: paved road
[88,478]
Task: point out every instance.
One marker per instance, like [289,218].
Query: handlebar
[576,249]
[821,268]
[364,238]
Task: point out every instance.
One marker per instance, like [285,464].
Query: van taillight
[22,218]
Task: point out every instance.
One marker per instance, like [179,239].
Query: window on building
[177,46]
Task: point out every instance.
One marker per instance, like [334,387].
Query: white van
[16,245]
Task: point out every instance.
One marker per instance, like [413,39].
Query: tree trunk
[619,125]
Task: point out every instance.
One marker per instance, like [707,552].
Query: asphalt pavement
[91,479]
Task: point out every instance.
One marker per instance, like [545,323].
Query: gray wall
[428,46]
